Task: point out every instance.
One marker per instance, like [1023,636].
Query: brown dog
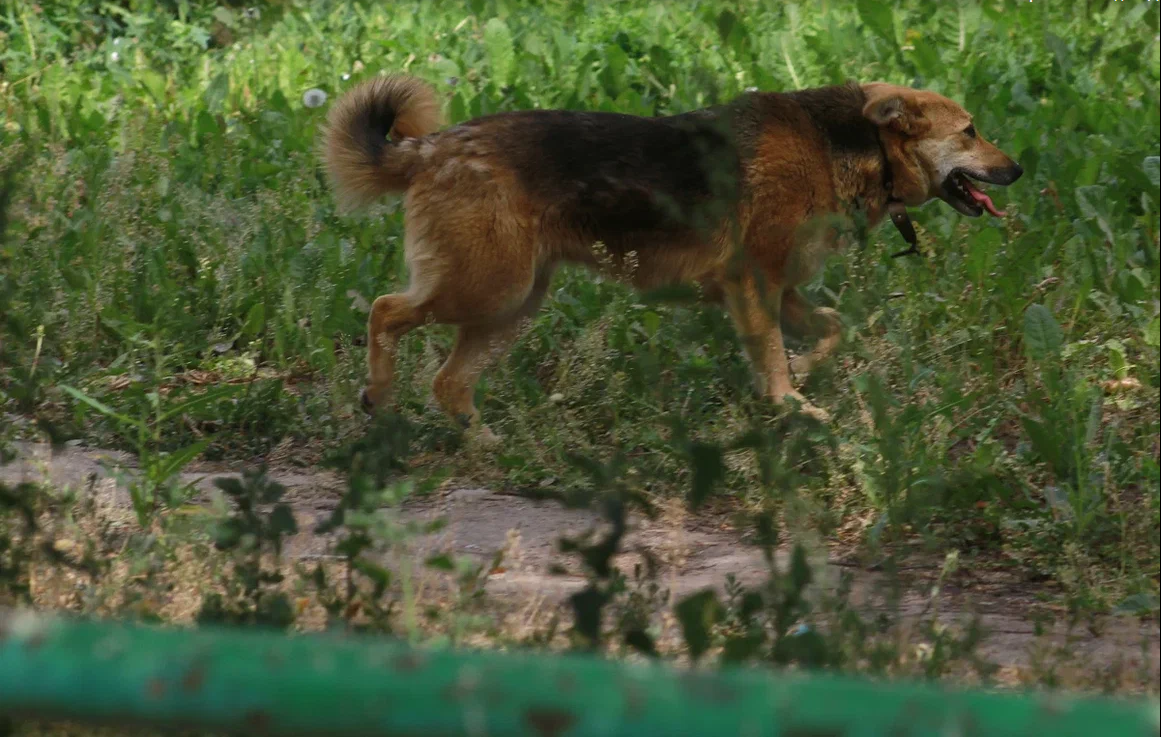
[734,198]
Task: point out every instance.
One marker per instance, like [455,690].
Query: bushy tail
[362,163]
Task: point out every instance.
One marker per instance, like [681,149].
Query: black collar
[897,210]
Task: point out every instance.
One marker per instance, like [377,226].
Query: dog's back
[616,178]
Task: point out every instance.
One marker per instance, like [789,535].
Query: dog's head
[934,149]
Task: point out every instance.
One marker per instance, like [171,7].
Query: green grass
[168,226]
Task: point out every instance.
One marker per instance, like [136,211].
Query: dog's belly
[649,269]
[646,260]
[663,267]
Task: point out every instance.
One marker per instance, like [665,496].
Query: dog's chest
[808,255]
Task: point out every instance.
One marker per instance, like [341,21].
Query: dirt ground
[695,552]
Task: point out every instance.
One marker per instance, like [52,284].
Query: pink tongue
[983,199]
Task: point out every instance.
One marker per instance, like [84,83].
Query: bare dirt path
[693,552]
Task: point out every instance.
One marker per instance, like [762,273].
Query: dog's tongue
[983,199]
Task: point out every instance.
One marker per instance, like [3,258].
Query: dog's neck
[863,182]
[896,208]
[861,170]
[861,167]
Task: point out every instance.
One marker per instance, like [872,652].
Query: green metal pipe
[266,683]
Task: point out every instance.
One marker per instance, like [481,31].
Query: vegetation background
[175,281]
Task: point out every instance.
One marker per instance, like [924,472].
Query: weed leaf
[102,407]
[698,613]
[879,17]
[1152,167]
[498,42]
[708,470]
[1042,334]
[179,459]
[209,397]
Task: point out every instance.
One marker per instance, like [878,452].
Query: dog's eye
[970,131]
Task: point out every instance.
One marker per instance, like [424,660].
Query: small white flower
[116,42]
[346,77]
[114,56]
[314,98]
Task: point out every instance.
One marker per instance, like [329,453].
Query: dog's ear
[895,108]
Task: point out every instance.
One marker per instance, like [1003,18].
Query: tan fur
[920,131]
[488,219]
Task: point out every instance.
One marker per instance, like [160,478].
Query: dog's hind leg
[392,316]
[805,320]
[477,345]
[752,321]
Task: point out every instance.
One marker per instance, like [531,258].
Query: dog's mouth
[960,192]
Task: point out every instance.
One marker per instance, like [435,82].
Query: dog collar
[898,210]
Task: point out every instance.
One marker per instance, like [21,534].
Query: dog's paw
[789,398]
[800,366]
[485,438]
[372,399]
[794,401]
[817,413]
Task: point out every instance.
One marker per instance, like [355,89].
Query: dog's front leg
[752,322]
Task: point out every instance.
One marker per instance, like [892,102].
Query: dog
[738,199]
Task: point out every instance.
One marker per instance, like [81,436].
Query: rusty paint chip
[549,722]
[566,682]
[408,662]
[194,678]
[258,721]
[155,687]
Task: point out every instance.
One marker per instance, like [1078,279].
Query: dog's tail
[360,160]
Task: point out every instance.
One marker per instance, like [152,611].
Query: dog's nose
[1017,171]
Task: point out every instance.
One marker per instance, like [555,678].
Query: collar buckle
[898,212]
